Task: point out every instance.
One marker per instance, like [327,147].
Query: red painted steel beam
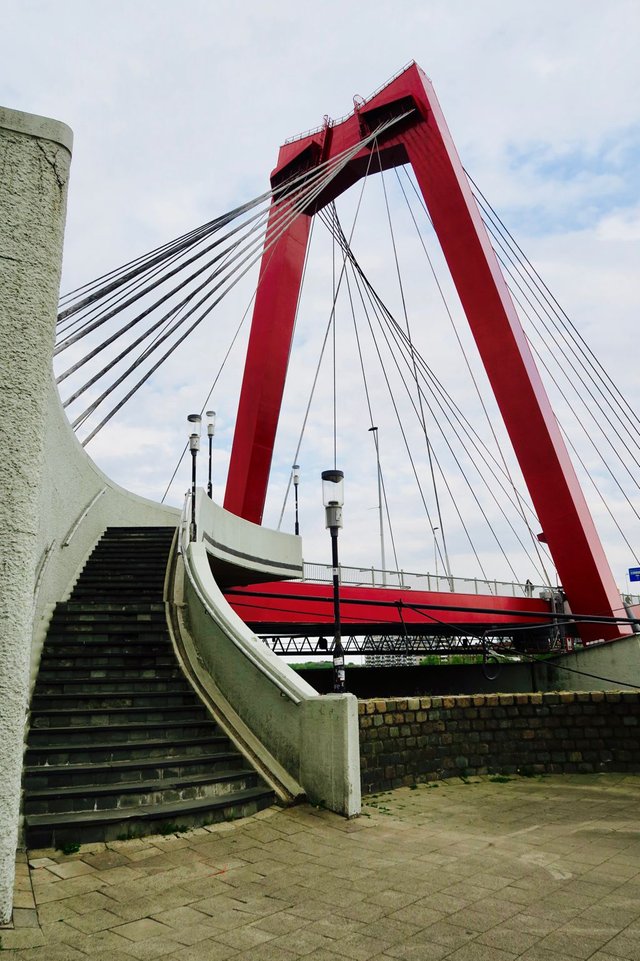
[425,142]
[266,366]
[297,602]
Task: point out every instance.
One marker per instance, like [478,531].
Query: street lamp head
[195,421]
[211,422]
[333,496]
[296,474]
[332,488]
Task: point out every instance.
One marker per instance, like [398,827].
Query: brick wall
[409,740]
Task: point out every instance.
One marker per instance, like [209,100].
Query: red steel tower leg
[423,140]
[266,367]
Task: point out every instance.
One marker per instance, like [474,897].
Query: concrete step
[89,685]
[89,608]
[124,659]
[87,718]
[78,617]
[105,797]
[48,830]
[82,701]
[119,593]
[124,733]
[116,635]
[101,752]
[116,675]
[37,777]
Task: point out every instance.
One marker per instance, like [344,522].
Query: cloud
[178,113]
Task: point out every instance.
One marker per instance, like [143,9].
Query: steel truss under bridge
[414,645]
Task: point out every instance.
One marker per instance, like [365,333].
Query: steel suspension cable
[462,422]
[371,420]
[586,432]
[406,442]
[523,505]
[331,316]
[396,330]
[507,266]
[297,207]
[445,559]
[561,314]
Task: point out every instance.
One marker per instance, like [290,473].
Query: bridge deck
[305,607]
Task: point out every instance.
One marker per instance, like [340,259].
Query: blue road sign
[634,573]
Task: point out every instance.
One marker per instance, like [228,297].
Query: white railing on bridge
[375,577]
[410,580]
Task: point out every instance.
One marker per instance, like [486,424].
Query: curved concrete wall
[314,738]
[241,551]
[35,155]
[50,518]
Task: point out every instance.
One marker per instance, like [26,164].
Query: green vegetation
[312,665]
[171,828]
[436,660]
[69,847]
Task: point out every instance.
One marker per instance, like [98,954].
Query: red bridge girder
[277,606]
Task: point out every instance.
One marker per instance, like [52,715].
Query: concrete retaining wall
[411,740]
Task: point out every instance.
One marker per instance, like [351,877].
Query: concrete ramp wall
[304,744]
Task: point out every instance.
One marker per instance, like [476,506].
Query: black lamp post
[195,421]
[333,499]
[296,481]
[211,429]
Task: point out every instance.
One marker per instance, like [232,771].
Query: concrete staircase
[119,744]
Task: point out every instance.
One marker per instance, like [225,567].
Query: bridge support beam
[266,365]
[35,155]
[421,138]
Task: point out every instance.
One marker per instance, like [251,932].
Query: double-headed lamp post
[195,421]
[333,499]
[211,429]
[296,482]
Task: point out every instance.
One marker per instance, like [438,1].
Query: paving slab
[539,869]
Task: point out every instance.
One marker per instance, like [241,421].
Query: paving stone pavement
[543,869]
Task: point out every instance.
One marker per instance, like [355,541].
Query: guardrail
[410,580]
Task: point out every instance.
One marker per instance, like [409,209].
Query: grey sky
[178,110]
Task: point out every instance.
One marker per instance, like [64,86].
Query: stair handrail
[40,569]
[76,524]
[183,528]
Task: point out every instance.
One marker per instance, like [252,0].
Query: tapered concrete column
[35,154]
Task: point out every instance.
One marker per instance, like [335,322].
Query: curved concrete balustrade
[242,552]
[303,743]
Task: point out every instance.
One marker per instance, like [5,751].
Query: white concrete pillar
[35,154]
